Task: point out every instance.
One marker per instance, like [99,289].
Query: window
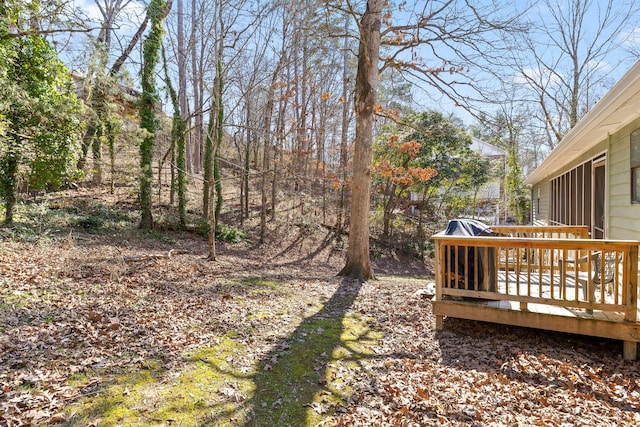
[635,166]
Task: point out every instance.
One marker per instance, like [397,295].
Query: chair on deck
[601,274]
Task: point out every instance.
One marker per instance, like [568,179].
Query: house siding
[540,214]
[622,217]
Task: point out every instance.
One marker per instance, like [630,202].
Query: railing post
[631,313]
[440,278]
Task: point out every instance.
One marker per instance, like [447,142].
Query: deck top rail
[559,231]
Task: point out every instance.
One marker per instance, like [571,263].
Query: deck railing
[544,232]
[555,266]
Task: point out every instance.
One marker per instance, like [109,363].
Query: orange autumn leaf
[423,174]
[411,148]
[393,141]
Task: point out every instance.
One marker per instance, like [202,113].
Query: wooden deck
[541,277]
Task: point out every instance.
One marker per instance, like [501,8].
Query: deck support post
[629,350]
[631,314]
[440,279]
[439,323]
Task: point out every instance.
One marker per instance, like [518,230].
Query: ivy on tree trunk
[156,12]
[178,131]
[215,190]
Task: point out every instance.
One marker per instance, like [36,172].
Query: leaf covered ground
[123,328]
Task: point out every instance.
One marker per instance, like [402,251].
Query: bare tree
[565,60]
[181,49]
[358,263]
[344,129]
[267,130]
[100,83]
[462,31]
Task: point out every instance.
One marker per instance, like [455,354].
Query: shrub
[224,233]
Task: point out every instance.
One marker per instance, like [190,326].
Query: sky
[75,53]
[613,66]
[426,97]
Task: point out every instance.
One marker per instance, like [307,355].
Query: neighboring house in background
[490,198]
[592,177]
[126,96]
[492,191]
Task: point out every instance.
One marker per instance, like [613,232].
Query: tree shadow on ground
[295,383]
[299,241]
[291,378]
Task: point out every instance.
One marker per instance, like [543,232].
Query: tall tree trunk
[211,236]
[112,130]
[320,143]
[178,130]
[358,263]
[87,142]
[344,130]
[266,161]
[157,11]
[115,68]
[304,138]
[268,148]
[182,76]
[96,150]
[245,169]
[278,152]
[301,120]
[241,189]
[196,77]
[215,188]
[208,169]
[172,165]
[216,155]
[389,206]
[247,164]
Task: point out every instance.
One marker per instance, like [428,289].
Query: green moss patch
[261,283]
[303,377]
[306,377]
